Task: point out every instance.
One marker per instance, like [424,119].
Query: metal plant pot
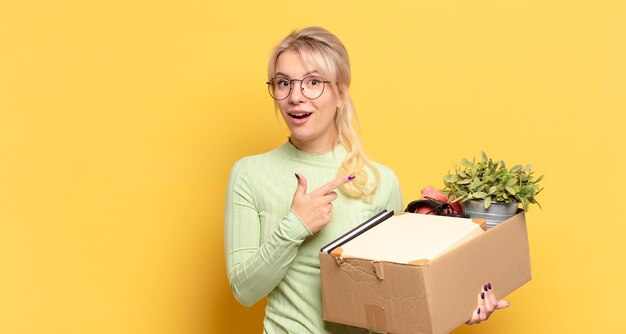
[495,214]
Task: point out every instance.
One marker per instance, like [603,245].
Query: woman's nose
[296,95]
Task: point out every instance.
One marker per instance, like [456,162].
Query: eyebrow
[305,74]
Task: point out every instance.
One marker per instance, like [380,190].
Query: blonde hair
[324,51]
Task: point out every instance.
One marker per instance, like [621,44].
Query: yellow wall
[120,120]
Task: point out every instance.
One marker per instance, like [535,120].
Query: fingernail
[489,285]
[351,177]
[482,295]
[478,310]
[486,287]
[297,176]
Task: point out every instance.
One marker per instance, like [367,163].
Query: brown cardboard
[426,296]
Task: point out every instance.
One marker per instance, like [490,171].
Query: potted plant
[491,191]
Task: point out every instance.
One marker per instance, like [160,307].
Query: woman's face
[311,122]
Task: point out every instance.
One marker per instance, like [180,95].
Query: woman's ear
[339,97]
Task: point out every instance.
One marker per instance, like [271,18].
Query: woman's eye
[282,83]
[314,81]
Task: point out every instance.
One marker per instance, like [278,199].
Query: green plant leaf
[467,163]
[450,178]
[456,199]
[487,202]
[511,181]
[511,190]
[516,169]
[474,184]
[479,194]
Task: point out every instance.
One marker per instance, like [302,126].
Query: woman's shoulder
[261,160]
[385,171]
[388,193]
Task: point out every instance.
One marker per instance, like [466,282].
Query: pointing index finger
[332,185]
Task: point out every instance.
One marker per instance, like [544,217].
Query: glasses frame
[269,87]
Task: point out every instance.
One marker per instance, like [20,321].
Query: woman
[282,206]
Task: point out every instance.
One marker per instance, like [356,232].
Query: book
[353,233]
[411,237]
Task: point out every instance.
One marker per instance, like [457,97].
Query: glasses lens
[279,88]
[312,87]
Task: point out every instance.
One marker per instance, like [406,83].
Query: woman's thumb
[301,189]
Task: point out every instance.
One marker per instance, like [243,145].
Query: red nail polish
[485,287]
[479,310]
[297,176]
[489,285]
[351,177]
[482,295]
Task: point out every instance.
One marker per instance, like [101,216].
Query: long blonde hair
[324,51]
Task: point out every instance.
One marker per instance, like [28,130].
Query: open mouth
[300,115]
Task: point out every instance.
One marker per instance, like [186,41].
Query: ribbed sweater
[269,250]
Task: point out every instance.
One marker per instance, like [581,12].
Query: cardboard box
[433,296]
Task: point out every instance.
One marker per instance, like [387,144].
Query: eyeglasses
[312,87]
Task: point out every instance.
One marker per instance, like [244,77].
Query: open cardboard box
[433,296]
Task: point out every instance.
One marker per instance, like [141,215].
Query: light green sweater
[270,252]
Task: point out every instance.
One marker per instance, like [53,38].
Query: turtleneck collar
[333,156]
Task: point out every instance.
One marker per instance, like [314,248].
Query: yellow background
[120,120]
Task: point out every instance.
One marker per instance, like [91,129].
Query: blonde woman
[284,205]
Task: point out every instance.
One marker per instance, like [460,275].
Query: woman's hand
[487,303]
[315,208]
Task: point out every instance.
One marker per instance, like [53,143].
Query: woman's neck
[317,146]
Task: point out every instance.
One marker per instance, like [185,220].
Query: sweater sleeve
[256,266]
